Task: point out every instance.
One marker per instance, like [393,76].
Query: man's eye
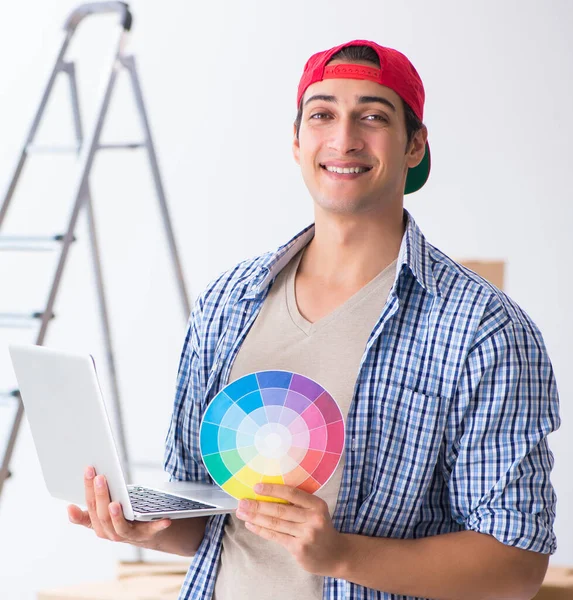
[319,116]
[376,118]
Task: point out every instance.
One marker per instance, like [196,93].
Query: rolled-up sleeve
[500,461]
[182,459]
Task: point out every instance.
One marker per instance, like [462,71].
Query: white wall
[220,81]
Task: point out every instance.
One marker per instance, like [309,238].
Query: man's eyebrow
[322,97]
[379,99]
[361,100]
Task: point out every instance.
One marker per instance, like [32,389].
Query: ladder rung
[8,396]
[20,320]
[38,149]
[35,243]
[122,146]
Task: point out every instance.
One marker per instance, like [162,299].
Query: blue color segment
[259,416]
[274,379]
[248,426]
[245,439]
[233,417]
[251,402]
[217,408]
[227,439]
[209,437]
[242,386]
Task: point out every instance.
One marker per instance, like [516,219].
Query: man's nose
[345,137]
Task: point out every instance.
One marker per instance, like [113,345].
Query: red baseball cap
[396,72]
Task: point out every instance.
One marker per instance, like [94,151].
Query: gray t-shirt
[328,351]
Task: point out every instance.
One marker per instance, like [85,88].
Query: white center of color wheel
[273,440]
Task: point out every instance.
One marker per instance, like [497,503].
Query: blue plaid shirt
[447,428]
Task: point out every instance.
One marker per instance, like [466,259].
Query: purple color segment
[296,401]
[328,407]
[313,417]
[273,396]
[297,426]
[287,416]
[274,413]
[305,386]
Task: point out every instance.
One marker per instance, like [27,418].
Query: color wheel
[271,427]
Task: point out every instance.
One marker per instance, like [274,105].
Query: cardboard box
[492,270]
[136,581]
[164,587]
[557,585]
[133,569]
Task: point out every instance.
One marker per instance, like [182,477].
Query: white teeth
[346,169]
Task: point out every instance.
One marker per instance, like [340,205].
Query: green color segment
[217,468]
[232,460]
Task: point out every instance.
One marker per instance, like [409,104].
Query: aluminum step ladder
[85,148]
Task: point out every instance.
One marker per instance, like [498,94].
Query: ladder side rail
[9,448]
[100,286]
[59,65]
[110,356]
[91,8]
[129,63]
[86,159]
[70,70]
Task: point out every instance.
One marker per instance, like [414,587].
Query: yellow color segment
[273,479]
[247,476]
[239,490]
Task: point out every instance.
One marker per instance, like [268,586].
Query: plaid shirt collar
[413,254]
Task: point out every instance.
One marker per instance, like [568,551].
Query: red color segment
[311,460]
[328,407]
[335,437]
[310,486]
[326,468]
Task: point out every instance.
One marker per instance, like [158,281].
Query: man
[444,382]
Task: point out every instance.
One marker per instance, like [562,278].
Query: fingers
[106,517]
[103,501]
[284,492]
[134,532]
[77,516]
[91,502]
[276,517]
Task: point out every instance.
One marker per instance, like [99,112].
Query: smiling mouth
[346,170]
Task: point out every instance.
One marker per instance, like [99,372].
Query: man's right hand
[106,519]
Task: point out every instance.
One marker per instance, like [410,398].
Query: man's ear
[295,146]
[417,147]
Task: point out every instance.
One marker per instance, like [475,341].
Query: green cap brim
[418,176]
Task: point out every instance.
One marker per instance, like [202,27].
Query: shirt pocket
[401,456]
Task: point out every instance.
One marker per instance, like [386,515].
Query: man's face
[354,124]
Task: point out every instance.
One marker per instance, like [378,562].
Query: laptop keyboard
[145,500]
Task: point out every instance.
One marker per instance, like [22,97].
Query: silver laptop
[71,430]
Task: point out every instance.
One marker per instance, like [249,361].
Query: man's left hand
[303,527]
